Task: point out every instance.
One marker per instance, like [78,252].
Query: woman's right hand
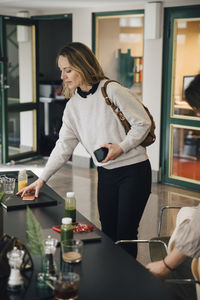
[35,186]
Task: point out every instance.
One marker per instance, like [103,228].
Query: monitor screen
[186,82]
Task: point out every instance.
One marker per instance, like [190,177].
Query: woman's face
[69,76]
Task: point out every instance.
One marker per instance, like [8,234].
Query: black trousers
[122,195]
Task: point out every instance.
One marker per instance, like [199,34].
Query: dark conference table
[106,271]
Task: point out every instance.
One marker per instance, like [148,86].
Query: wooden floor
[84,183]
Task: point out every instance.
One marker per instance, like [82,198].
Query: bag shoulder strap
[103,89]
[151,137]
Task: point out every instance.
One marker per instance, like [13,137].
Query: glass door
[118,44]
[181,133]
[18,88]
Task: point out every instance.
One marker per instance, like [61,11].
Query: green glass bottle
[66,234]
[70,206]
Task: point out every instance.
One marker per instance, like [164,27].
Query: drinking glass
[66,287]
[72,252]
[2,177]
[9,185]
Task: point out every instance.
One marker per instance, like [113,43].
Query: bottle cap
[66,221]
[22,171]
[70,194]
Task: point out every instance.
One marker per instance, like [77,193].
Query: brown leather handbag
[150,138]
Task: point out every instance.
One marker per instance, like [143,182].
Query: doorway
[31,106]
[181,126]
[18,88]
[53,33]
[118,44]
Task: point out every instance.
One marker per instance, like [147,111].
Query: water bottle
[66,234]
[22,179]
[70,206]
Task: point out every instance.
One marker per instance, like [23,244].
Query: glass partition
[21,132]
[180,153]
[119,48]
[19,66]
[18,89]
[185,160]
[186,60]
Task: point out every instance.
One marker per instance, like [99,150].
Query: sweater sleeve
[63,149]
[134,112]
[188,236]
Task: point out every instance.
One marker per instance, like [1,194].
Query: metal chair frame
[174,281]
[161,215]
[143,241]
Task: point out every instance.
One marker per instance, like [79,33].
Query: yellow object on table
[22,184]
[22,179]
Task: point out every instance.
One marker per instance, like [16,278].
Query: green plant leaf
[34,234]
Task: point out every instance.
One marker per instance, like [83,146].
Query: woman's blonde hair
[83,60]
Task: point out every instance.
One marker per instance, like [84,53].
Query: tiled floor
[84,183]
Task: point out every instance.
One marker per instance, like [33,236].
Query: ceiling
[41,5]
[14,6]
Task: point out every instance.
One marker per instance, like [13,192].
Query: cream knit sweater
[93,123]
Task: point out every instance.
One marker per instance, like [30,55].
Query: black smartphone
[101,153]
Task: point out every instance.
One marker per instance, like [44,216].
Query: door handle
[3,86]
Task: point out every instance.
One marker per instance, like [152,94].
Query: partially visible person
[162,268]
[187,243]
[192,94]
[184,242]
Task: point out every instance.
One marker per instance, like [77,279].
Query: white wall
[81,34]
[152,83]
[26,90]
[82,26]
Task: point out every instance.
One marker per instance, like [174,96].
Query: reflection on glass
[13,63]
[21,135]
[177,200]
[186,153]
[186,61]
[20,64]
[0,131]
[119,48]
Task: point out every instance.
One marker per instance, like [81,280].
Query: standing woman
[124,176]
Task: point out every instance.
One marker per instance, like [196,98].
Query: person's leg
[107,202]
[122,196]
[134,192]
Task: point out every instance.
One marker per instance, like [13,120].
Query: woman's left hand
[114,151]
